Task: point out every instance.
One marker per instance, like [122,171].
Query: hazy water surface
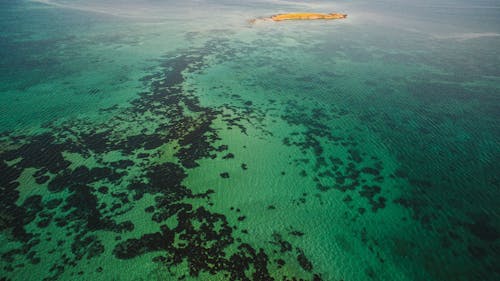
[175,140]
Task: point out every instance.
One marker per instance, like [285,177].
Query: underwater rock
[483,230]
[228,156]
[147,243]
[303,261]
[296,233]
[284,245]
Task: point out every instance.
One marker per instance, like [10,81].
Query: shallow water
[157,140]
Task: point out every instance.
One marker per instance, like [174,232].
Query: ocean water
[175,140]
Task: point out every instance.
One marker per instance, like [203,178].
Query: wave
[467,35]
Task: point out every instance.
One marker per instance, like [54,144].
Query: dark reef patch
[228,156]
[284,245]
[369,192]
[146,243]
[82,200]
[303,261]
[482,229]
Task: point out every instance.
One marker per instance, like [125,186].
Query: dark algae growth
[82,201]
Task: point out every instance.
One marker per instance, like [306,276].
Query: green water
[156,140]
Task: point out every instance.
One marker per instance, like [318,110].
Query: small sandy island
[308,16]
[303,16]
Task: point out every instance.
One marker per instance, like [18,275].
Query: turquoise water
[164,140]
